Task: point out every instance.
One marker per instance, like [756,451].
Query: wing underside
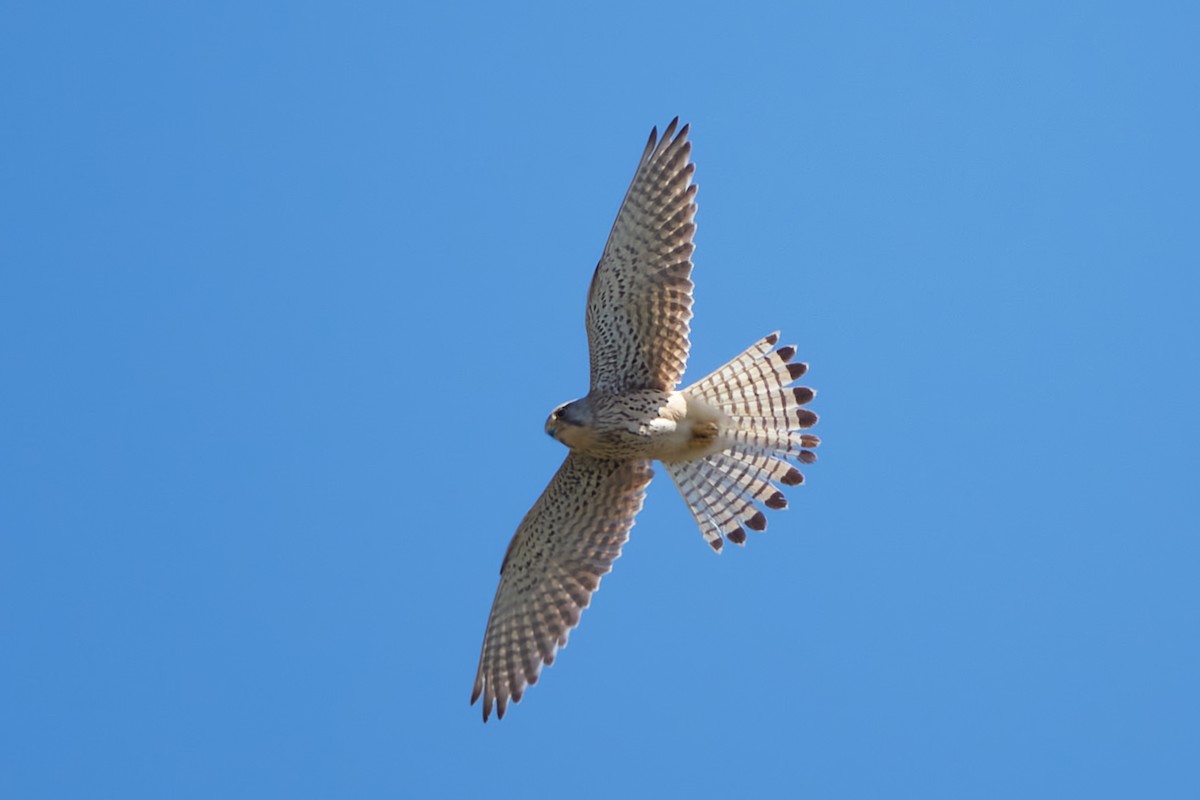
[565,544]
[640,301]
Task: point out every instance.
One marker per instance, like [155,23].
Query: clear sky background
[287,291]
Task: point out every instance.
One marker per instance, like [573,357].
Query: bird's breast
[669,426]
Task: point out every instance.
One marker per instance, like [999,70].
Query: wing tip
[669,131]
[670,138]
[487,700]
[653,140]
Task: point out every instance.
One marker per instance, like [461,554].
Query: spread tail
[760,431]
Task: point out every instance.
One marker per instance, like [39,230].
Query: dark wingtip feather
[807,456]
[777,501]
[669,132]
[810,440]
[758,522]
[717,544]
[772,338]
[787,352]
[737,536]
[797,369]
[794,477]
[803,394]
[805,418]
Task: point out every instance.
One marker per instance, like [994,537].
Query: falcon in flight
[727,440]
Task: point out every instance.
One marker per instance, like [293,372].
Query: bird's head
[570,423]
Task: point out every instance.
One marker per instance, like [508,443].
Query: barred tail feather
[764,417]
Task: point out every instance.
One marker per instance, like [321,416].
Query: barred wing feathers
[565,544]
[640,301]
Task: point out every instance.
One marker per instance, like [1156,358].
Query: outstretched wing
[640,300]
[565,544]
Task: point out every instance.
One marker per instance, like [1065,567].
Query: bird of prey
[726,440]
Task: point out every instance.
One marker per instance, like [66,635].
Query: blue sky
[288,290]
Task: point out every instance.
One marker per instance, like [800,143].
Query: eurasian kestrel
[725,440]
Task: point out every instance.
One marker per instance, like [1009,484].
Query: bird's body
[646,423]
[725,440]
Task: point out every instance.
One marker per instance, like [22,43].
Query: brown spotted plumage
[727,440]
[566,542]
[640,301]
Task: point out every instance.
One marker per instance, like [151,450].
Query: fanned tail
[761,431]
